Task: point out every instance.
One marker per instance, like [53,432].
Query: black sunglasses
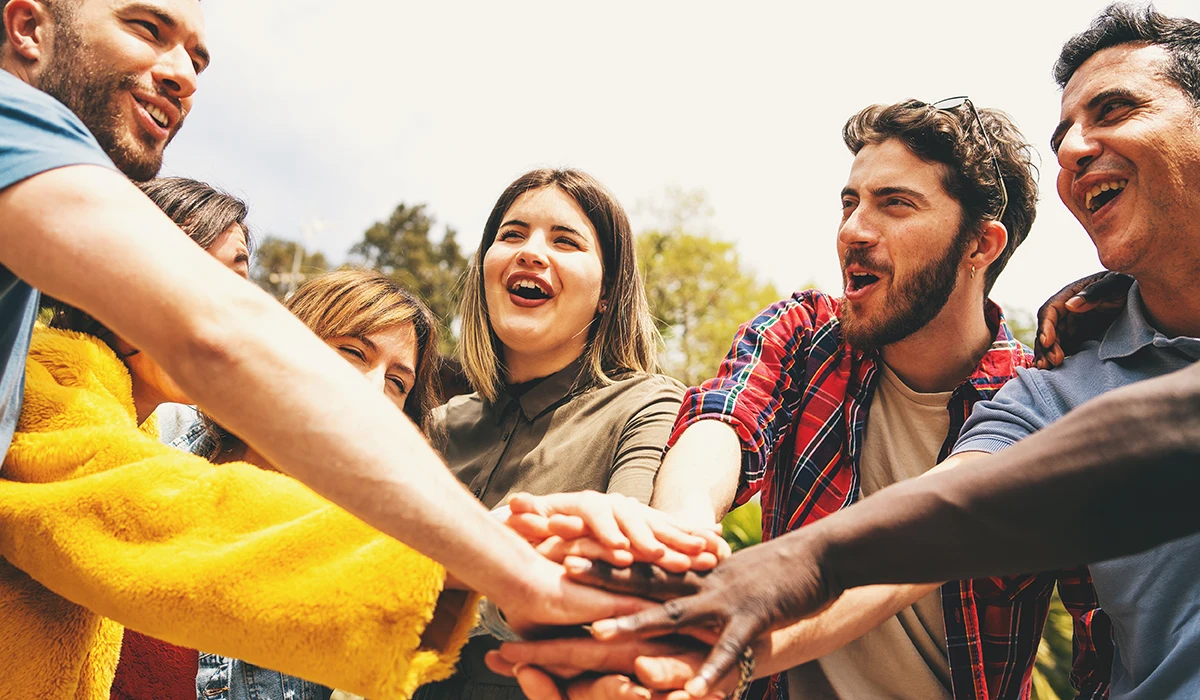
[951,104]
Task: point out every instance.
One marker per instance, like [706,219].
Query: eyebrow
[375,349]
[889,191]
[556,227]
[1097,100]
[167,20]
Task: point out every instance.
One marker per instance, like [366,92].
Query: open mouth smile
[1102,193]
[528,291]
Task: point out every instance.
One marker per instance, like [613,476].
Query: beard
[94,93]
[914,301]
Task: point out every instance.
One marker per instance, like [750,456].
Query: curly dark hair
[952,137]
[1122,23]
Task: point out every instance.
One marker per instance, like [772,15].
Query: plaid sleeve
[1091,669]
[758,385]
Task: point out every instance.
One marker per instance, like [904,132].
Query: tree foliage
[402,248]
[281,265]
[698,289]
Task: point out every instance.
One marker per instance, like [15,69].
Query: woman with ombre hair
[388,334]
[559,345]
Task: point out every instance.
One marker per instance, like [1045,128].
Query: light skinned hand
[551,599]
[629,669]
[619,523]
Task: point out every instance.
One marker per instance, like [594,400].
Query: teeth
[525,284]
[1102,187]
[159,116]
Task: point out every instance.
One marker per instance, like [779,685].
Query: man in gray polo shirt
[1129,148]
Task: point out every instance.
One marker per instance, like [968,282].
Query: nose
[377,377]
[533,250]
[857,229]
[176,71]
[1077,150]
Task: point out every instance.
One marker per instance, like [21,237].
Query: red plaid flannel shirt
[798,398]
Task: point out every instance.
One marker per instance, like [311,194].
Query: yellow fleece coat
[101,522]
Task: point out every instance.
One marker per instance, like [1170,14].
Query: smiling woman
[558,343]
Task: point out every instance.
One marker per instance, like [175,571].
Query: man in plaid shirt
[823,401]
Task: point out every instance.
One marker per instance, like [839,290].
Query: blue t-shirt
[37,133]
[1153,598]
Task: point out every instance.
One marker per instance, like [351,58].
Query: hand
[620,524]
[548,598]
[1078,312]
[554,669]
[748,595]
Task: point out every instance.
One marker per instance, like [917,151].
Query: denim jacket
[219,677]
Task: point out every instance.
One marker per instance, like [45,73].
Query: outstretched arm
[85,235]
[1019,510]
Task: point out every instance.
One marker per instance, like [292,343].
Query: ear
[989,245]
[25,25]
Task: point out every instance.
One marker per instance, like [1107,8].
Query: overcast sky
[325,115]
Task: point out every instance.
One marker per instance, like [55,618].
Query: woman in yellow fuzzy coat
[103,526]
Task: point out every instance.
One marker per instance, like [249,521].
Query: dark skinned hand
[1080,311]
[748,595]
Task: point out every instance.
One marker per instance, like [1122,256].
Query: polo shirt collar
[1131,332]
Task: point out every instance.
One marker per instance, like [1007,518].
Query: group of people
[201,497]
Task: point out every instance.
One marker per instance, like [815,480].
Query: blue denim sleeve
[1017,411]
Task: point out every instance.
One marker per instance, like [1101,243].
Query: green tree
[402,248]
[698,289]
[281,265]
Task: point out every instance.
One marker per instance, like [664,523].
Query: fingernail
[642,693]
[576,565]
[604,628]
[697,687]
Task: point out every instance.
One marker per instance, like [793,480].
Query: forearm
[1044,503]
[699,476]
[854,614]
[242,357]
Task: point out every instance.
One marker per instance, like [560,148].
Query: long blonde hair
[622,339]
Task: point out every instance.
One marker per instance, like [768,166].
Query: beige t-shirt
[905,657]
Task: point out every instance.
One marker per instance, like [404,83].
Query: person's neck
[527,367]
[1171,307]
[20,70]
[145,401]
[945,351]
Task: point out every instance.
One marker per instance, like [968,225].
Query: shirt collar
[1001,361]
[1130,331]
[547,393]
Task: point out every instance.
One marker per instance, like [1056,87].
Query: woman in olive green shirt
[558,343]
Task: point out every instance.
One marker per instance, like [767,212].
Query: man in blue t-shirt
[91,92]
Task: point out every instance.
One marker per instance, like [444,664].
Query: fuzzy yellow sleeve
[228,559]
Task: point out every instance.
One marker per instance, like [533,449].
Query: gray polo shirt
[1153,598]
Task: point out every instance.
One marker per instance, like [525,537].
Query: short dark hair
[1122,23]
[952,137]
[201,210]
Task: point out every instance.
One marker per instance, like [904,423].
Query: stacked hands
[693,645]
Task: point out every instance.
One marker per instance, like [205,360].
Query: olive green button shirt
[561,437]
